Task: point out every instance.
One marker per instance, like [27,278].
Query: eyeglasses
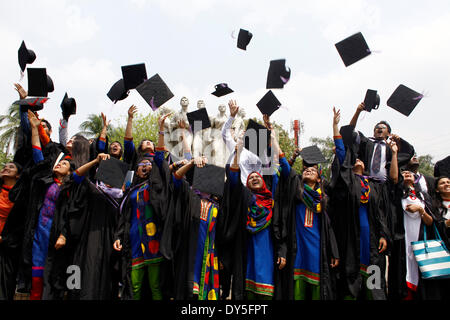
[144,164]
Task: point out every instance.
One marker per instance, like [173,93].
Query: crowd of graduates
[184,229]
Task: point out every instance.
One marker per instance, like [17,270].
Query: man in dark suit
[375,153]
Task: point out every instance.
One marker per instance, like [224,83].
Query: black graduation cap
[312,155]
[200,115]
[133,75]
[371,100]
[26,56]
[244,38]
[221,90]
[34,104]
[68,105]
[277,76]
[258,146]
[209,179]
[155,92]
[39,83]
[353,49]
[117,91]
[442,168]
[112,172]
[268,104]
[404,100]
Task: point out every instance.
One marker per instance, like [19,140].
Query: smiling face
[147,146]
[380,131]
[358,167]
[144,168]
[408,177]
[254,181]
[311,175]
[115,149]
[62,168]
[10,171]
[443,188]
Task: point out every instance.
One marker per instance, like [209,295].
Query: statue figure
[219,152]
[175,134]
[201,138]
[238,126]
[162,111]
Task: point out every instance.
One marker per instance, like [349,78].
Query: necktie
[376,159]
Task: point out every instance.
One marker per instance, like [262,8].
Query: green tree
[426,166]
[10,129]
[92,127]
[325,145]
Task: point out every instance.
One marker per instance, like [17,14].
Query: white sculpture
[175,139]
[238,126]
[219,152]
[201,138]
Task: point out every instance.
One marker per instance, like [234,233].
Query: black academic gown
[397,289]
[11,245]
[232,235]
[344,211]
[39,178]
[179,238]
[159,191]
[328,243]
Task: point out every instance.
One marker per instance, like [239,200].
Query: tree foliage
[10,125]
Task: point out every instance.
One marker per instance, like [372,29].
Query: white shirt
[248,161]
[382,174]
[447,205]
[411,223]
[422,183]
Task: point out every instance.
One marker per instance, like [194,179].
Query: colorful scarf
[259,214]
[365,189]
[312,198]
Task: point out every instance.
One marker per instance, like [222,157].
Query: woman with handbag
[411,219]
[441,209]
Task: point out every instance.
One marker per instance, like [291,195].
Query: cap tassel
[152,104]
[420,96]
[373,51]
[22,74]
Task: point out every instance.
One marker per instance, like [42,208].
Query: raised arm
[357,113]
[393,171]
[102,139]
[128,145]
[338,143]
[226,135]
[35,141]
[84,169]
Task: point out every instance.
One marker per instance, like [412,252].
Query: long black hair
[436,196]
[80,150]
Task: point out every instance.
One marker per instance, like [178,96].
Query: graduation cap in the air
[112,172]
[371,100]
[244,38]
[155,92]
[442,168]
[68,105]
[34,104]
[133,75]
[200,115]
[118,91]
[268,104]
[209,179]
[39,83]
[26,56]
[353,49]
[311,156]
[277,75]
[221,90]
[404,100]
[256,138]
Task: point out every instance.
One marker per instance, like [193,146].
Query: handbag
[432,256]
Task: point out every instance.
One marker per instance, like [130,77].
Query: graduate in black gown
[412,212]
[359,224]
[143,213]
[12,218]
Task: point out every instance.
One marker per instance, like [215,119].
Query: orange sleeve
[43,136]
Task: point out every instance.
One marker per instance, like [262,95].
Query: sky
[191,44]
